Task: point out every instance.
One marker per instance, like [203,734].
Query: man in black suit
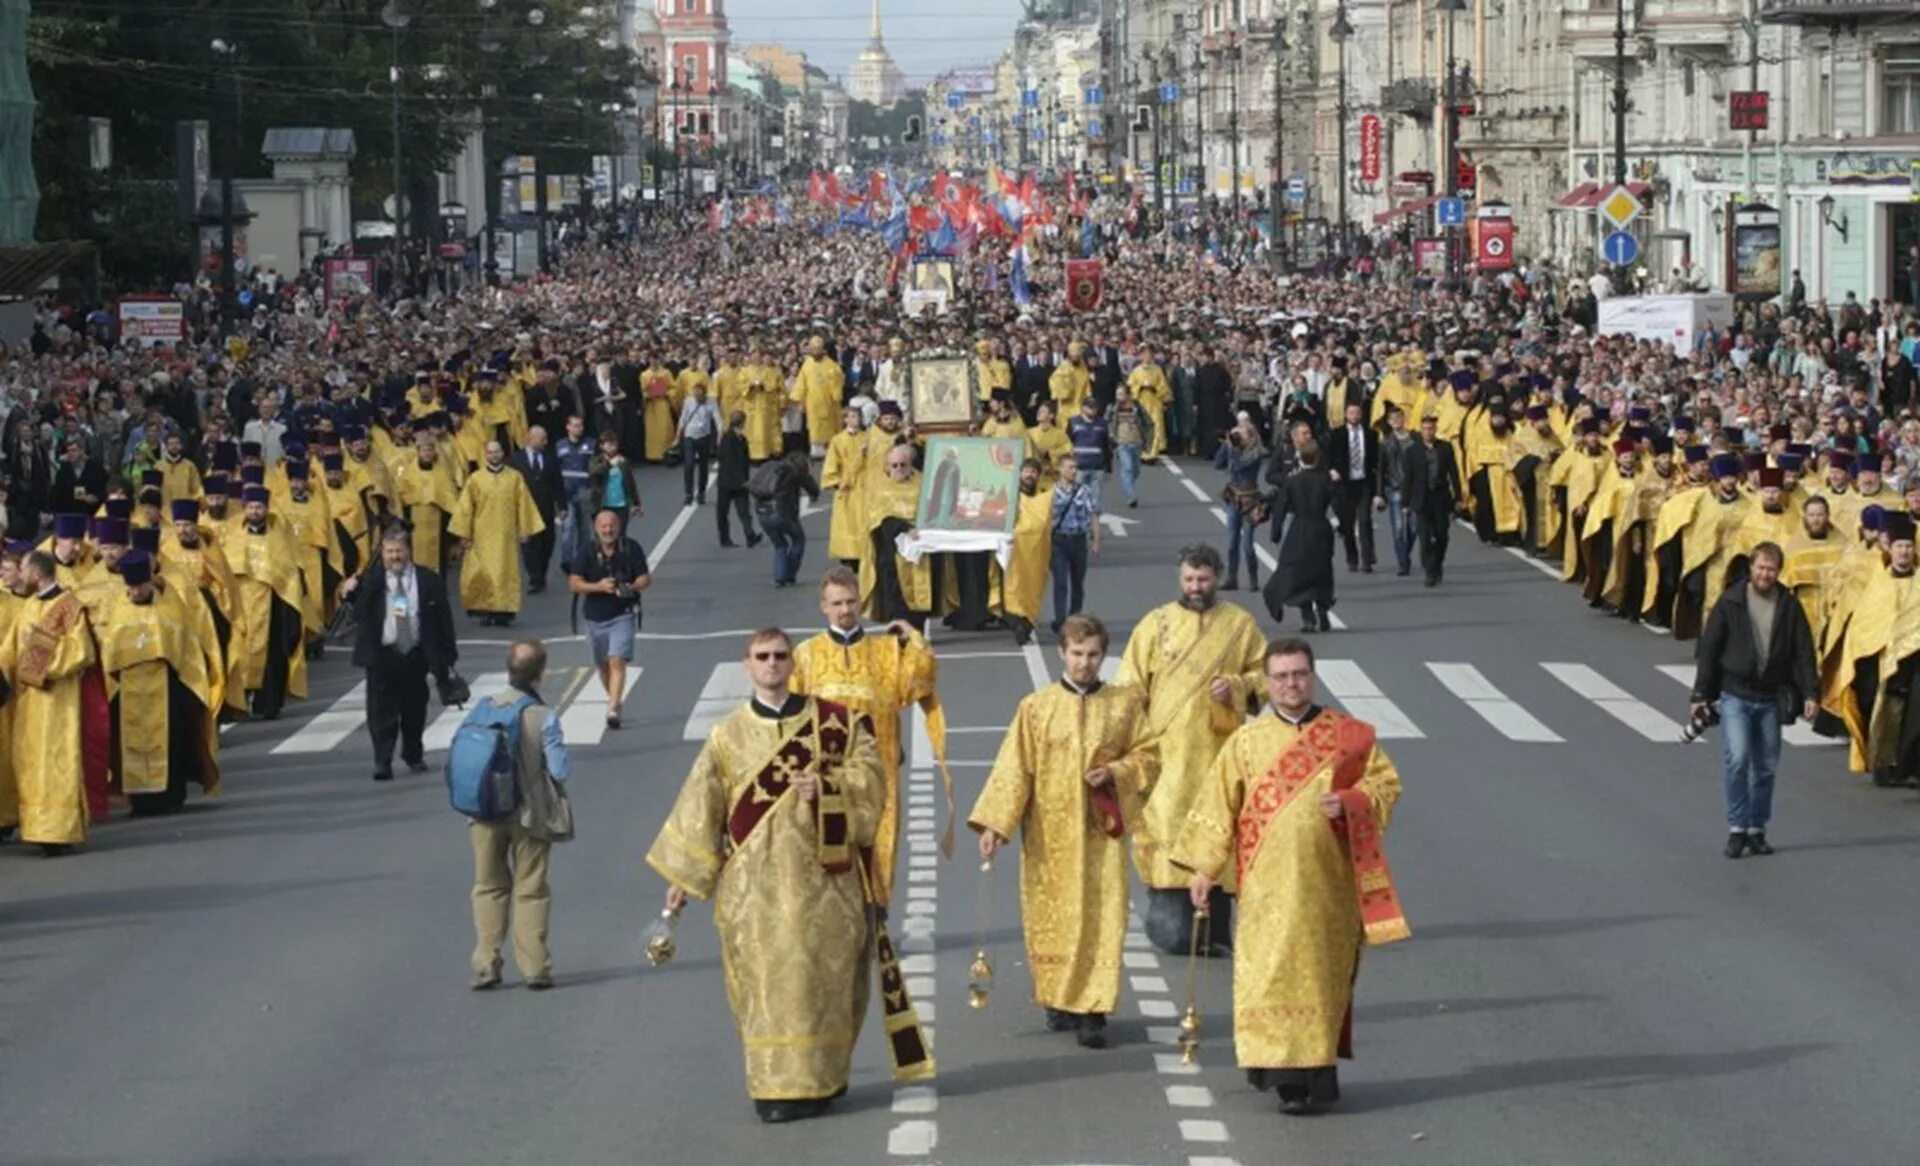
[1032,372]
[1433,494]
[405,633]
[80,484]
[541,469]
[1353,459]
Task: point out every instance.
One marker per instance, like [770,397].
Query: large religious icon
[970,484]
[942,392]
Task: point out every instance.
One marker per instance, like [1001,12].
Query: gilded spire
[876,22]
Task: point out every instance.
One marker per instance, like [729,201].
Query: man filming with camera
[1755,659]
[608,577]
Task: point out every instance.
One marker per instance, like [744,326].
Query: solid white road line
[1361,697]
[1036,666]
[439,734]
[1618,703]
[1544,568]
[1495,707]
[658,553]
[1272,564]
[1799,734]
[324,733]
[584,722]
[726,687]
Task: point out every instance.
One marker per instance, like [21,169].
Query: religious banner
[929,284]
[348,277]
[1086,279]
[970,486]
[941,392]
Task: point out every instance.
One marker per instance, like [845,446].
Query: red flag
[816,189]
[1009,184]
[1072,197]
[876,186]
[832,188]
[1086,279]
[924,218]
[942,188]
[900,259]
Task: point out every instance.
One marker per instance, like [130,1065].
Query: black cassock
[1304,574]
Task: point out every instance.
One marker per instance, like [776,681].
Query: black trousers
[1353,508]
[737,499]
[397,706]
[696,464]
[537,552]
[1434,530]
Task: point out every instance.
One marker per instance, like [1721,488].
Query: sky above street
[924,40]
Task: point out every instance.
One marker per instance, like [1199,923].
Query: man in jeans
[699,425]
[1756,659]
[779,514]
[1393,487]
[574,454]
[509,859]
[1087,433]
[1132,431]
[1076,530]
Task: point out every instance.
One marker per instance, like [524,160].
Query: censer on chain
[1189,1038]
[659,937]
[980,971]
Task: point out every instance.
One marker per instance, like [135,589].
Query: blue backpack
[481,761]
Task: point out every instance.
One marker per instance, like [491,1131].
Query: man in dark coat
[1432,496]
[1303,574]
[404,633]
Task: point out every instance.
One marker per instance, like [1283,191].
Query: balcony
[1817,13]
[1412,96]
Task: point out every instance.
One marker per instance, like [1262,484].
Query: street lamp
[1279,48]
[1826,217]
[229,53]
[397,16]
[1450,129]
[1341,32]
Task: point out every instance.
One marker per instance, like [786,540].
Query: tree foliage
[540,84]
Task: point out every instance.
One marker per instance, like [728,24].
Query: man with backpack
[505,771]
[775,488]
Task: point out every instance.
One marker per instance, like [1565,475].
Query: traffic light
[913,129]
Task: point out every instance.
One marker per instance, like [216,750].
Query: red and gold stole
[820,744]
[1337,740]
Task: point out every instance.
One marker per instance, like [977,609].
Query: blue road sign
[955,100]
[1620,248]
[1169,93]
[1093,95]
[1030,98]
[1094,127]
[1451,212]
[1297,187]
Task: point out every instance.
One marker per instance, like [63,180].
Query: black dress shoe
[1366,569]
[418,765]
[1093,1031]
[383,775]
[1757,844]
[1736,845]
[1326,622]
[1232,584]
[1404,572]
[755,540]
[775,1112]
[539,983]
[1431,581]
[728,545]
[1058,1021]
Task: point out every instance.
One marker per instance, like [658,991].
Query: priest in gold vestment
[1880,662]
[769,826]
[1020,587]
[1196,663]
[1072,775]
[817,389]
[159,689]
[424,494]
[45,658]
[273,607]
[494,516]
[1294,810]
[845,473]
[891,587]
[878,677]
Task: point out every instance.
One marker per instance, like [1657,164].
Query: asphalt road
[278,976]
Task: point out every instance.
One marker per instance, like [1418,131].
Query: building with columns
[875,79]
[699,114]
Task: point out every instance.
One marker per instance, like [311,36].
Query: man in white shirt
[405,633]
[699,425]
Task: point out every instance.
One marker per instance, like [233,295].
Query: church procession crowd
[186,522]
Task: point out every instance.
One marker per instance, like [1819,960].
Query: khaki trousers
[507,861]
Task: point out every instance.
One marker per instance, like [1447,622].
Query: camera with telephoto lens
[1699,723]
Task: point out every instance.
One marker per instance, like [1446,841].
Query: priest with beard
[191,559]
[160,691]
[272,606]
[1021,586]
[46,657]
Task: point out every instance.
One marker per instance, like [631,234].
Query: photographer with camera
[1755,659]
[608,577]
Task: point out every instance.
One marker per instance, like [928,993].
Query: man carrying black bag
[404,633]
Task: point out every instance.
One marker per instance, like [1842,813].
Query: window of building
[689,69]
[706,124]
[1900,90]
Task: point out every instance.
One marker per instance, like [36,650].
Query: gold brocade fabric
[1047,444]
[139,645]
[203,570]
[311,525]
[1068,385]
[1173,657]
[1021,587]
[794,939]
[1495,459]
[350,507]
[11,606]
[845,472]
[1073,876]
[1583,477]
[992,373]
[881,677]
[265,568]
[1148,383]
[1869,632]
[1811,564]
[45,654]
[817,389]
[178,479]
[1396,389]
[427,498]
[890,499]
[1709,544]
[1297,928]
[1844,507]
[765,391]
[495,511]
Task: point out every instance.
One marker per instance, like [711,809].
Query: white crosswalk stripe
[1360,696]
[1616,702]
[439,734]
[584,721]
[1800,734]
[726,688]
[1495,707]
[324,733]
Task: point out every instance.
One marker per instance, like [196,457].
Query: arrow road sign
[1169,93]
[1620,248]
[1116,526]
[1451,212]
[1093,95]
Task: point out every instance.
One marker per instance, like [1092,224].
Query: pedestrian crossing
[583,717]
